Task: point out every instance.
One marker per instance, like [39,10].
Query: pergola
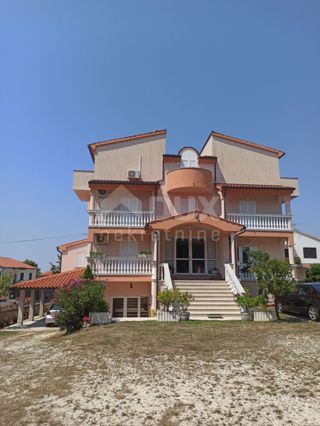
[53,281]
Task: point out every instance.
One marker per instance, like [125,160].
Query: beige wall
[72,258]
[273,245]
[112,247]
[265,203]
[242,164]
[113,161]
[17,273]
[144,199]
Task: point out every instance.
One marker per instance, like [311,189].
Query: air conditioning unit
[100,239]
[134,174]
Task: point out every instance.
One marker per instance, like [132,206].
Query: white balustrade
[232,280]
[119,219]
[165,276]
[106,265]
[245,274]
[274,222]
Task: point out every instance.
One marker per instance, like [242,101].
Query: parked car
[305,300]
[51,317]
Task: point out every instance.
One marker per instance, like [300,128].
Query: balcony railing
[244,273]
[267,222]
[117,219]
[120,266]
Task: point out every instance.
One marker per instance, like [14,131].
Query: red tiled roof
[8,262]
[52,281]
[254,186]
[66,246]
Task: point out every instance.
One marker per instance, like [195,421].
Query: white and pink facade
[188,219]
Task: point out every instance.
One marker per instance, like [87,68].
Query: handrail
[117,218]
[232,280]
[262,221]
[165,276]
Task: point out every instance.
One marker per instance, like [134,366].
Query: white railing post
[276,222]
[119,219]
[232,280]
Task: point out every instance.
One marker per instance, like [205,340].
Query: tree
[55,268]
[314,272]
[273,275]
[34,264]
[77,299]
[6,281]
[88,275]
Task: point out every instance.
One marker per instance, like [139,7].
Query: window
[248,207]
[188,204]
[21,276]
[286,253]
[128,248]
[129,204]
[309,252]
[189,158]
[30,275]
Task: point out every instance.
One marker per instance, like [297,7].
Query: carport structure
[53,282]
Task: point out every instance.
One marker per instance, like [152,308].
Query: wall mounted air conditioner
[134,174]
[101,239]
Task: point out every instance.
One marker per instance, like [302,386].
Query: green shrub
[314,273]
[76,300]
[248,302]
[168,298]
[87,275]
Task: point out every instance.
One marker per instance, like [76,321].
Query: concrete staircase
[212,299]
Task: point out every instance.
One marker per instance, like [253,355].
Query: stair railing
[232,280]
[165,276]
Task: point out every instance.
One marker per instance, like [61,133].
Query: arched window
[189,158]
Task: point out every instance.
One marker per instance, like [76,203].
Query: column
[288,212]
[22,296]
[41,307]
[233,251]
[31,306]
[223,204]
[154,281]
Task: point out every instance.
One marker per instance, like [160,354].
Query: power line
[42,239]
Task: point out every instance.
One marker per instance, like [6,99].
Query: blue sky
[75,72]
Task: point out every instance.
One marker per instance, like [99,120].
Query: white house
[306,247]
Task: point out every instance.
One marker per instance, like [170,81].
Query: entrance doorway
[130,307]
[190,256]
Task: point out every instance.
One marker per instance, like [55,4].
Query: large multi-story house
[185,220]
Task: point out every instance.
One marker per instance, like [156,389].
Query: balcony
[191,180]
[120,266]
[262,222]
[119,219]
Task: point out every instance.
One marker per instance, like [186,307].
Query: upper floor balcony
[262,222]
[191,180]
[134,265]
[119,219]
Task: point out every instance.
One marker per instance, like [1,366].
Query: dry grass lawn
[149,373]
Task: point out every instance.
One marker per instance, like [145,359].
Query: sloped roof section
[194,217]
[254,186]
[71,244]
[244,142]
[52,281]
[92,146]
[8,262]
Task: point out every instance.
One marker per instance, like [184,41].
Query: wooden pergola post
[31,305]
[22,296]
[41,307]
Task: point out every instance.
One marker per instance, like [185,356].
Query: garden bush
[77,299]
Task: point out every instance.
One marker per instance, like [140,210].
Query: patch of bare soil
[196,373]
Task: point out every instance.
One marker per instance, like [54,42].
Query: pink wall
[126,289]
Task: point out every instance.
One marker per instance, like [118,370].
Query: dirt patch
[196,373]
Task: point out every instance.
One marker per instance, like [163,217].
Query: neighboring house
[306,247]
[184,220]
[21,271]
[74,254]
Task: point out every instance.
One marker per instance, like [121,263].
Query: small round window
[189,158]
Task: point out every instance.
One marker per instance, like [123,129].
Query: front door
[190,256]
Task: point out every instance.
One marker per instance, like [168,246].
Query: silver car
[51,317]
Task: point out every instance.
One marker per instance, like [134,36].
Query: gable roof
[66,246]
[52,281]
[8,262]
[276,151]
[297,231]
[92,146]
[195,216]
